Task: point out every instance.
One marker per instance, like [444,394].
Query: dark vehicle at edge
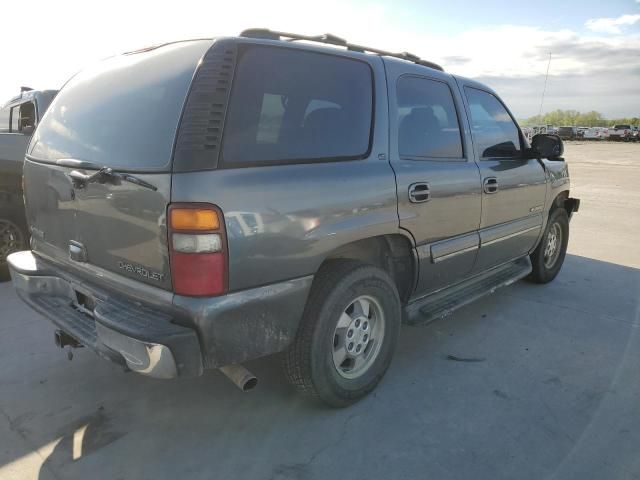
[18,119]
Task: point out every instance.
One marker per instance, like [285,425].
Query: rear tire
[548,257]
[13,238]
[353,313]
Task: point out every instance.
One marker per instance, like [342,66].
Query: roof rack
[330,39]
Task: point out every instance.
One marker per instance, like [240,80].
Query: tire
[13,238]
[547,261]
[334,310]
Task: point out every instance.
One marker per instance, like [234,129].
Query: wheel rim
[553,245]
[10,239]
[358,337]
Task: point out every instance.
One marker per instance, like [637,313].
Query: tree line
[573,117]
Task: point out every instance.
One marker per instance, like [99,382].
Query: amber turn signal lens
[194,219]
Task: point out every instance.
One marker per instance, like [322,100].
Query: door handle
[490,185]
[419,192]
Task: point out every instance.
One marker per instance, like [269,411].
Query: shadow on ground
[554,394]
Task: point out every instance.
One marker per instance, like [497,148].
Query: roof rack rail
[266,34]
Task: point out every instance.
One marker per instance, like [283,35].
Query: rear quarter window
[296,106]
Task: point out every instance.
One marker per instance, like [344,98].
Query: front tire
[347,335]
[548,257]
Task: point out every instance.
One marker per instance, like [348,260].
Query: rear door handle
[490,185]
[419,192]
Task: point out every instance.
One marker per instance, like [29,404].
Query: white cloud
[68,39]
[610,24]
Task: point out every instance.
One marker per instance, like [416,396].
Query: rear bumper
[124,332]
[178,335]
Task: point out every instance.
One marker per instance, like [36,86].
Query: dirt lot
[556,394]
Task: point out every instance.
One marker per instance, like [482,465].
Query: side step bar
[442,303]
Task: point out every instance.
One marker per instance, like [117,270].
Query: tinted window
[289,105]
[4,120]
[27,117]
[493,130]
[122,112]
[427,120]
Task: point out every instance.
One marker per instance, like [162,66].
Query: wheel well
[561,202]
[392,253]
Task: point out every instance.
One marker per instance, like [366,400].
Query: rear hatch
[122,113]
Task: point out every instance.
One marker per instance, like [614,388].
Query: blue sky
[595,61]
[453,16]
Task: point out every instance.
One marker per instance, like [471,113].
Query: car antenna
[544,89]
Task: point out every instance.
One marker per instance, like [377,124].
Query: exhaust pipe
[240,376]
[63,339]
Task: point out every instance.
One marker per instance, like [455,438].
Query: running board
[442,303]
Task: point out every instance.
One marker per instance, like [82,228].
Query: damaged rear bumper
[122,331]
[173,336]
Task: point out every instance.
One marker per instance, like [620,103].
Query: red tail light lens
[198,249]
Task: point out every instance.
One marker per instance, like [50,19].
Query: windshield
[122,112]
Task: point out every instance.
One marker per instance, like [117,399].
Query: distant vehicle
[636,134]
[527,132]
[568,133]
[621,132]
[593,133]
[581,131]
[18,119]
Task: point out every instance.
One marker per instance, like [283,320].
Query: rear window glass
[288,105]
[122,112]
[427,120]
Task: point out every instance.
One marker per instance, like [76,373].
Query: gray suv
[18,119]
[202,203]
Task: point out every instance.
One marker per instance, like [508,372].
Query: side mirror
[546,145]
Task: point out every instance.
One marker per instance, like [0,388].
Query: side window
[427,121]
[15,119]
[288,105]
[27,118]
[493,130]
[4,120]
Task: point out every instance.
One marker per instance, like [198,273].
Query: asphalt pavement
[553,391]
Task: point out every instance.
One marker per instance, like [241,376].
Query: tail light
[198,249]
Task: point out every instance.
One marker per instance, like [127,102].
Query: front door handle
[490,185]
[419,192]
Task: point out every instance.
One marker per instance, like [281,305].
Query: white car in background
[621,132]
[594,133]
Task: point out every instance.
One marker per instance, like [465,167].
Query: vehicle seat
[324,131]
[419,133]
